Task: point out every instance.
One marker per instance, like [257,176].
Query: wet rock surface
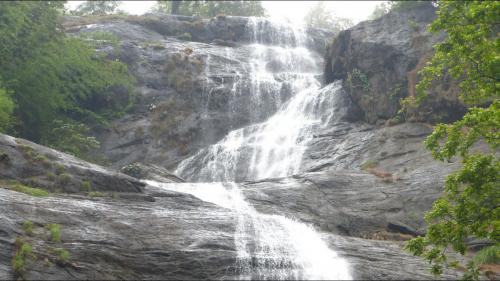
[378,61]
[39,166]
[175,237]
[359,183]
[195,79]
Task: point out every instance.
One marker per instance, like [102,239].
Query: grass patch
[44,160]
[33,191]
[64,178]
[28,228]
[62,256]
[370,164]
[59,168]
[51,176]
[23,252]
[86,186]
[55,232]
[96,194]
[488,255]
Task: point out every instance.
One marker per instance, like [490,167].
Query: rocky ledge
[177,236]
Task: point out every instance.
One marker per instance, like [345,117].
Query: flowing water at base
[269,246]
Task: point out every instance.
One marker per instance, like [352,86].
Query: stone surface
[378,62]
[42,167]
[194,80]
[175,237]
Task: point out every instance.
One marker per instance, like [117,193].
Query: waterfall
[272,148]
[269,246]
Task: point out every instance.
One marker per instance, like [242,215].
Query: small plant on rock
[28,228]
[62,256]
[55,232]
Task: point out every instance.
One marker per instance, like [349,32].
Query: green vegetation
[471,200]
[6,109]
[209,9]
[28,227]
[72,138]
[55,232]
[59,168]
[96,194]
[64,178]
[319,16]
[132,169]
[355,77]
[23,252]
[488,255]
[369,164]
[47,75]
[33,191]
[86,186]
[62,256]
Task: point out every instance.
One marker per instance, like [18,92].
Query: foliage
[28,227]
[86,186]
[487,255]
[62,256]
[50,76]
[23,252]
[96,194]
[470,204]
[357,75]
[55,232]
[33,191]
[470,51]
[6,110]
[209,9]
[319,16]
[133,170]
[72,138]
[96,8]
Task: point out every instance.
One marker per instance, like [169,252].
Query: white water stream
[270,246]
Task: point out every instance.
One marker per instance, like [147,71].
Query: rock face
[38,166]
[178,236]
[197,79]
[358,183]
[378,62]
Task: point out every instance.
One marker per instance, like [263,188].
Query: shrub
[59,168]
[28,227]
[86,186]
[133,170]
[488,255]
[23,252]
[55,232]
[62,256]
[64,178]
[44,160]
[51,176]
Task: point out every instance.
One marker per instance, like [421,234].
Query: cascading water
[270,246]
